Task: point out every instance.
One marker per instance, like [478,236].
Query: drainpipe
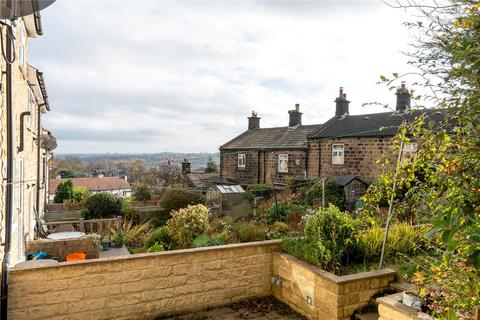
[258,166]
[22,130]
[306,162]
[39,145]
[10,174]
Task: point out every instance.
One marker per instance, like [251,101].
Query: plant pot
[105,246]
[412,300]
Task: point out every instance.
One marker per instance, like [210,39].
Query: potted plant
[104,244]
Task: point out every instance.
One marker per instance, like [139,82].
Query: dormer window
[338,154]
[242,157]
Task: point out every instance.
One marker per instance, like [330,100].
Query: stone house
[268,155]
[118,186]
[345,145]
[32,144]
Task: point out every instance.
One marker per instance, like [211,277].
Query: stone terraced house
[32,144]
[345,145]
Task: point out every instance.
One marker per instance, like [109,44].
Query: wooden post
[109,231]
[476,313]
[82,225]
[119,225]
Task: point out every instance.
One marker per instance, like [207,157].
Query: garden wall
[391,308]
[318,294]
[61,248]
[143,286]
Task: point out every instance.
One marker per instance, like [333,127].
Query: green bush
[159,218]
[156,247]
[249,231]
[280,211]
[277,231]
[162,236]
[333,194]
[131,214]
[80,193]
[142,192]
[188,223]
[64,191]
[175,199]
[103,205]
[205,241]
[329,234]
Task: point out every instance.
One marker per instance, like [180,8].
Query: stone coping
[334,278]
[154,254]
[394,301]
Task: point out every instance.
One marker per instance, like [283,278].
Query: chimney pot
[341,104]
[253,121]
[186,166]
[403,98]
[295,117]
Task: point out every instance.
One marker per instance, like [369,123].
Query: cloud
[150,76]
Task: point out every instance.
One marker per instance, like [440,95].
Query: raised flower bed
[319,294]
[391,308]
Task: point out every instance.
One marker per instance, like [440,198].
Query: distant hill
[198,160]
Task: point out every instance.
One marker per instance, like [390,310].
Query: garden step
[367,316]
[402,285]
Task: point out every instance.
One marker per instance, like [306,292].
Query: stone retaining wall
[61,248]
[391,308]
[143,286]
[318,294]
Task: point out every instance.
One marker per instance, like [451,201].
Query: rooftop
[94,184]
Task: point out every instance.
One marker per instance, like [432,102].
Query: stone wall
[318,294]
[360,157]
[143,286]
[391,308]
[261,166]
[61,248]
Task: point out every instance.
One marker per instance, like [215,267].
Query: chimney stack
[295,117]
[185,166]
[341,104]
[253,121]
[403,98]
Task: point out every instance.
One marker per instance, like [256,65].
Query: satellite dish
[12,9]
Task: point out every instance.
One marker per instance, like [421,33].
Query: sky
[145,76]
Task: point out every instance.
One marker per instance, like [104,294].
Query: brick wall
[61,248]
[229,166]
[391,308]
[142,286]
[318,294]
[360,158]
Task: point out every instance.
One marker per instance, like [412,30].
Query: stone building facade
[32,144]
[345,145]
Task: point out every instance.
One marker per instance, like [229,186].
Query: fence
[100,226]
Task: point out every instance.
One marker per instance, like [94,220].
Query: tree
[64,191]
[161,178]
[142,192]
[211,165]
[80,193]
[102,205]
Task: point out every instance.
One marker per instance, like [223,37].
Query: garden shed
[224,197]
[353,188]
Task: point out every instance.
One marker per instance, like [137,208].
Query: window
[283,163]
[409,150]
[337,154]
[242,160]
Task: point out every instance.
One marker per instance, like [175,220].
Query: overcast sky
[154,76]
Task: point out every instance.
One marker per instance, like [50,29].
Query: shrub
[305,250]
[277,231]
[249,231]
[333,194]
[257,190]
[142,192]
[188,223]
[156,247]
[80,193]
[131,214]
[161,236]
[103,204]
[205,241]
[118,240]
[64,191]
[134,234]
[175,199]
[159,218]
[332,231]
[280,211]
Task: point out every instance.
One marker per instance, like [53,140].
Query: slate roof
[93,184]
[203,179]
[342,180]
[371,125]
[273,138]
